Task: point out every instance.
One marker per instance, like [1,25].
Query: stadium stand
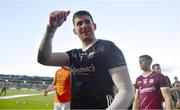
[25,82]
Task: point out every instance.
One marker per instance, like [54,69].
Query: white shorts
[62,106]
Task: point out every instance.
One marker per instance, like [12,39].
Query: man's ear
[94,24]
[74,31]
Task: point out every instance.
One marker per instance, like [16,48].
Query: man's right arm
[50,88]
[45,55]
[136,101]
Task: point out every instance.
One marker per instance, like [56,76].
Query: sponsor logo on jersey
[87,69]
[148,89]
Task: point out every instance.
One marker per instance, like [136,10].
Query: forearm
[135,104]
[50,88]
[166,95]
[122,100]
[125,95]
[168,104]
[45,48]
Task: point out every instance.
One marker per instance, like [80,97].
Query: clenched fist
[57,18]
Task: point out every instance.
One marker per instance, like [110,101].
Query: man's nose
[84,24]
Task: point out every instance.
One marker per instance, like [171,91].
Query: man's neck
[146,73]
[88,44]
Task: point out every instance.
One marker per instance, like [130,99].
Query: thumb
[68,12]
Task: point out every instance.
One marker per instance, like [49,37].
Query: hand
[57,18]
[178,103]
[45,93]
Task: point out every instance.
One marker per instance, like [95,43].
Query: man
[96,67]
[151,88]
[174,95]
[176,83]
[176,86]
[156,67]
[61,84]
[3,91]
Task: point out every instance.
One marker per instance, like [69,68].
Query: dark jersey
[92,86]
[168,81]
[177,84]
[149,90]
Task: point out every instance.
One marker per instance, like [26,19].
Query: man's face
[157,69]
[84,27]
[144,63]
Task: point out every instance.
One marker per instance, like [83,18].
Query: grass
[11,91]
[30,102]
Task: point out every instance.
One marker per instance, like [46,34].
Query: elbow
[41,59]
[131,94]
[129,90]
[131,97]
[128,93]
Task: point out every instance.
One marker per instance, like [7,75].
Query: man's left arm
[124,97]
[166,95]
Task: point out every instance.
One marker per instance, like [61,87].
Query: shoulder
[159,77]
[166,77]
[157,74]
[139,78]
[138,81]
[73,52]
[105,42]
[58,71]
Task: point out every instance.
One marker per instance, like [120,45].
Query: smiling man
[96,68]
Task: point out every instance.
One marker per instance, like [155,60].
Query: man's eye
[79,23]
[87,21]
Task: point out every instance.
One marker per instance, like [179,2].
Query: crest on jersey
[139,82]
[91,55]
[145,81]
[151,81]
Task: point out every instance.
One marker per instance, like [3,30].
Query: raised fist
[57,18]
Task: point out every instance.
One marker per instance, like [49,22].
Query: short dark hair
[147,57]
[80,13]
[176,77]
[156,64]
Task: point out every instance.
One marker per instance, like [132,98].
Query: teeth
[84,32]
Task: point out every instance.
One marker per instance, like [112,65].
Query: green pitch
[30,102]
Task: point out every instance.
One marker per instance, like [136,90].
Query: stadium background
[25,92]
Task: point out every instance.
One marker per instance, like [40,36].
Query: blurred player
[176,86]
[3,91]
[173,92]
[61,84]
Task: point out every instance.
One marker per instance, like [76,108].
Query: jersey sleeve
[113,56]
[162,81]
[72,55]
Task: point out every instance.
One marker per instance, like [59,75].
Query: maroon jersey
[149,90]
